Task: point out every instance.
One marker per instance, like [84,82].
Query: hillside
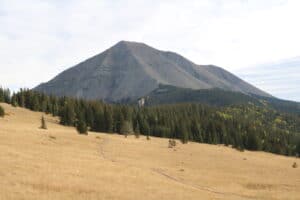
[131,70]
[60,164]
[166,94]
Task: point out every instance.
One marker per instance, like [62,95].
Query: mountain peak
[132,69]
[129,43]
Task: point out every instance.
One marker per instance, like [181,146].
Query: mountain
[130,70]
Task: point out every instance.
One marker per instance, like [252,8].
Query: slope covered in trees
[166,94]
[4,95]
[244,126]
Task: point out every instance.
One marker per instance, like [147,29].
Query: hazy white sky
[40,38]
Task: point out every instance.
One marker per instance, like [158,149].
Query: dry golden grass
[58,163]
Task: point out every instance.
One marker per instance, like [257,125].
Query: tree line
[242,126]
[5,95]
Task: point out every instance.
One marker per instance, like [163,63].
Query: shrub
[295,165]
[172,143]
[81,127]
[1,112]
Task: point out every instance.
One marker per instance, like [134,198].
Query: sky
[256,40]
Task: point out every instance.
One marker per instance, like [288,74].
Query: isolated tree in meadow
[43,123]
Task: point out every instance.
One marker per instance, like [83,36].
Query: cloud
[40,38]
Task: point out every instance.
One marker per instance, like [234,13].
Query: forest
[245,126]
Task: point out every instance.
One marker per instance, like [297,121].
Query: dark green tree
[126,128]
[81,127]
[298,148]
[43,123]
[108,119]
[137,131]
[67,115]
[2,113]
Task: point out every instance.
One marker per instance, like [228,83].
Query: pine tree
[35,103]
[108,118]
[81,127]
[298,148]
[184,135]
[2,113]
[126,128]
[253,143]
[196,131]
[137,130]
[119,122]
[67,116]
[14,102]
[43,123]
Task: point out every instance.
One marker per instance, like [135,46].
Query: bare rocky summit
[131,70]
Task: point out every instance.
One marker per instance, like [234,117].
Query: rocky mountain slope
[131,70]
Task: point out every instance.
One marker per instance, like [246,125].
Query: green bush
[1,112]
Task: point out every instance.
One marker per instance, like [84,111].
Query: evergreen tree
[4,95]
[137,130]
[298,148]
[183,132]
[14,102]
[108,119]
[253,143]
[120,122]
[67,115]
[196,131]
[43,123]
[126,128]
[81,127]
[2,113]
